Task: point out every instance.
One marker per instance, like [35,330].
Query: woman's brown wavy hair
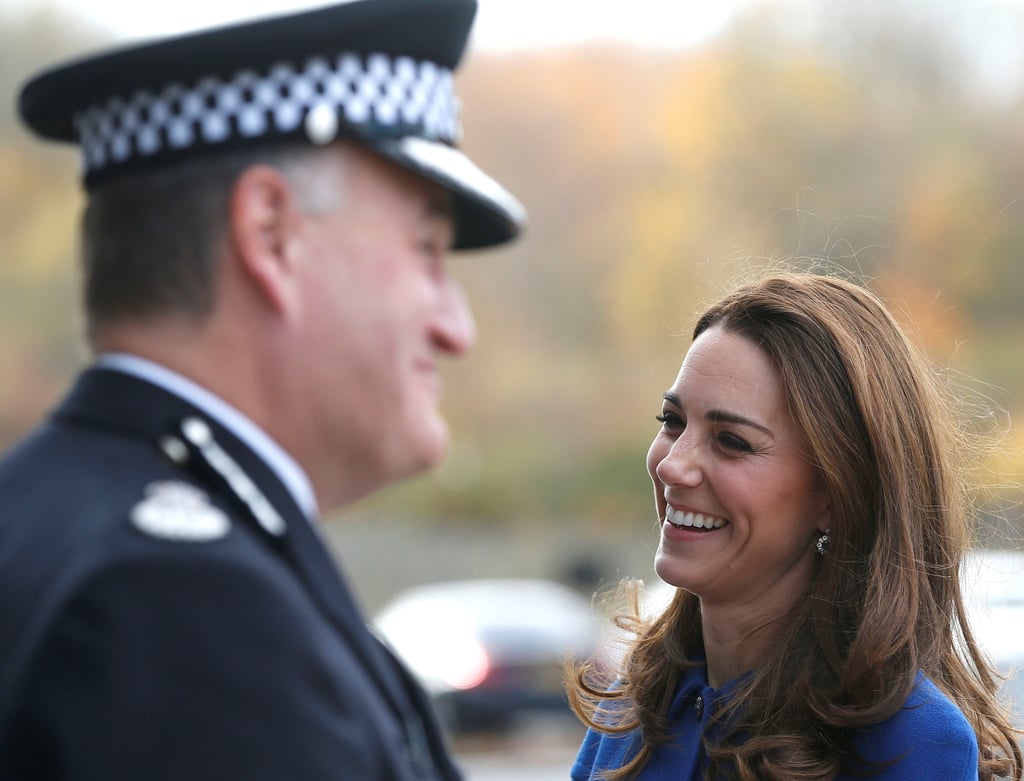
[884,603]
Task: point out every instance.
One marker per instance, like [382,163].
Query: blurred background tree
[880,140]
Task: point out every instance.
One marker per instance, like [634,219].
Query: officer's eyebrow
[438,213]
[439,204]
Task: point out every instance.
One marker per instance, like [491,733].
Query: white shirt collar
[294,477]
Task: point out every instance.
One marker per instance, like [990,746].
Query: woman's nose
[681,465]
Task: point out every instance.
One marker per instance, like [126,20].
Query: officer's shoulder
[83,484]
[77,528]
[77,504]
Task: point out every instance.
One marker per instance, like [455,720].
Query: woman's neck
[734,642]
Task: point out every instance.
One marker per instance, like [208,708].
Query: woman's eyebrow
[720,416]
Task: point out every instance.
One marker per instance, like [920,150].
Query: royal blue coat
[928,739]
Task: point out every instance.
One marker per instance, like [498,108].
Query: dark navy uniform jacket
[151,628]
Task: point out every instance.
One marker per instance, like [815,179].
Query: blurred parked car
[491,652]
[994,590]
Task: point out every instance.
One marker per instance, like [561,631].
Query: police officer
[270,206]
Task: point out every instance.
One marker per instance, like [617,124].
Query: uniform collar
[286,468]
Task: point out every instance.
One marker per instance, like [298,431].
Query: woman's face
[739,504]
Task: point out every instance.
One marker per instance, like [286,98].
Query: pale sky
[500,24]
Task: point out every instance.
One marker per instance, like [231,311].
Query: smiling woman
[741,500]
[811,513]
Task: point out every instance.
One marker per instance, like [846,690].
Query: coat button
[698,707]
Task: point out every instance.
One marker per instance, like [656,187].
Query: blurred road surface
[542,751]
[508,769]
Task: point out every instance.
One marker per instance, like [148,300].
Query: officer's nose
[454,329]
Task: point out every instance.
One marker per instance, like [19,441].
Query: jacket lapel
[131,406]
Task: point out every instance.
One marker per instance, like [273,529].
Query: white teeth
[695,520]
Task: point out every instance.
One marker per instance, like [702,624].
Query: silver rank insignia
[178,511]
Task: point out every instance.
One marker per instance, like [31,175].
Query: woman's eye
[733,442]
[669,420]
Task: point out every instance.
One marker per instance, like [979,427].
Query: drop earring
[822,542]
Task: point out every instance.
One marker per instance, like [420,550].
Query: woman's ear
[262,220]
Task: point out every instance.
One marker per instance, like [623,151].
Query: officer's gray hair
[315,184]
[150,243]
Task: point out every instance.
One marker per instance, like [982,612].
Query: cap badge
[321,124]
[178,511]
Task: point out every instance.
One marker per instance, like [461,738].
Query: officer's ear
[263,217]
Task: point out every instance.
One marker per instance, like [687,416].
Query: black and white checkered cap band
[381,96]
